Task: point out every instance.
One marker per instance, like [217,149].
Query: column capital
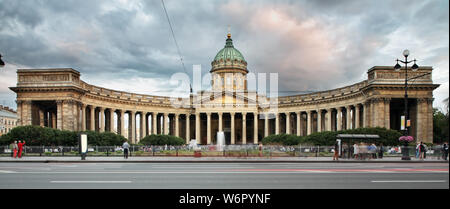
[208,114]
[232,113]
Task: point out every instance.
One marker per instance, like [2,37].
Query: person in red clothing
[20,145]
[15,149]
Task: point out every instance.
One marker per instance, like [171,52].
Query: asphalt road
[224,175]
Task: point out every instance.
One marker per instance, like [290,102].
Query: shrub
[38,136]
[162,140]
[282,139]
[328,138]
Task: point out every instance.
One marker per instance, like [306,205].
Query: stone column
[365,114]
[319,120]
[232,128]
[166,123]
[309,122]
[122,123]
[244,128]
[277,123]
[424,117]
[429,117]
[387,113]
[155,122]
[329,121]
[177,125]
[357,116]
[92,118]
[102,119]
[144,125]
[298,123]
[288,123]
[348,117]
[41,118]
[208,128]
[339,119]
[188,128]
[266,124]
[83,117]
[220,121]
[111,120]
[197,128]
[255,128]
[133,126]
[59,112]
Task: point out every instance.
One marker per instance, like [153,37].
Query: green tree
[440,126]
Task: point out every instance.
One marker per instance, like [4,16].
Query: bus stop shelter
[349,138]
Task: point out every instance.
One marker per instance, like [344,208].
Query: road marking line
[410,181]
[91,182]
[3,171]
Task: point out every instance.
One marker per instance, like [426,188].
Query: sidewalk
[160,159]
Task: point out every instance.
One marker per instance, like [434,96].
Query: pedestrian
[15,147]
[20,146]
[417,150]
[356,150]
[336,151]
[421,150]
[125,147]
[380,152]
[11,147]
[260,149]
[373,151]
[445,151]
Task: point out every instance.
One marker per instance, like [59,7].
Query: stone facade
[57,98]
[8,119]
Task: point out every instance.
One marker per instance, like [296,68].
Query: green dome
[229,52]
[229,58]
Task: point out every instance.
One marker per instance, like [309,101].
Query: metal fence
[224,151]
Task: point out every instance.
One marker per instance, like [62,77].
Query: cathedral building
[58,98]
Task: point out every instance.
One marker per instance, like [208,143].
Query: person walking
[418,150]
[20,146]
[421,150]
[445,151]
[260,149]
[356,150]
[336,151]
[380,151]
[125,147]
[15,149]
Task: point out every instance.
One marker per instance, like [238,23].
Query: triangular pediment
[227,98]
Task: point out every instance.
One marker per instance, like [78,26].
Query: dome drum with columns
[58,98]
[229,69]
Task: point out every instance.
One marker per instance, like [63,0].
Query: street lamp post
[397,67]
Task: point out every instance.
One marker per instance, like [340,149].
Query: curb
[209,161]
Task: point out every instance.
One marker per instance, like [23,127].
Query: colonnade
[239,127]
[202,127]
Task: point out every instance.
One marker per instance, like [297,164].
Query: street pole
[397,67]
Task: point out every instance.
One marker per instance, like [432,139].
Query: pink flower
[406,138]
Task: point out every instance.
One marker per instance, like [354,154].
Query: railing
[215,151]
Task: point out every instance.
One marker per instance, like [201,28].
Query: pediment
[227,98]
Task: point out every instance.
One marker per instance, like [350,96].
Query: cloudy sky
[312,45]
